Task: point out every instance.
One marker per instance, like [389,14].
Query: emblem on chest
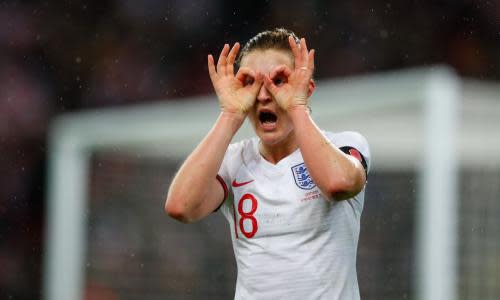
[302,178]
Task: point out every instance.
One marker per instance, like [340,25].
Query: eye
[279,80]
[248,81]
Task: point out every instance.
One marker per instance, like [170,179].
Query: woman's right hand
[236,93]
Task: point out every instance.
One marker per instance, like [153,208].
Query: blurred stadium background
[69,56]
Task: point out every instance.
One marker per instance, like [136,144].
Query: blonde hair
[270,39]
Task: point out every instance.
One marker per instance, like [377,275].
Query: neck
[276,152]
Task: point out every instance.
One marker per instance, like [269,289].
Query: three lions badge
[302,178]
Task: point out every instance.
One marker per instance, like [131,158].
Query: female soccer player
[293,195]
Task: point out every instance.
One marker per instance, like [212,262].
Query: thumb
[270,86]
[257,83]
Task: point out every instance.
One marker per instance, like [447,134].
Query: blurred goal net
[430,224]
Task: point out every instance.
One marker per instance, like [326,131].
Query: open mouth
[268,120]
[267,117]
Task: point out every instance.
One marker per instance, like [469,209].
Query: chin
[271,129]
[268,139]
[271,138]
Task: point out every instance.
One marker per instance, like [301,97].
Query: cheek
[252,117]
[286,122]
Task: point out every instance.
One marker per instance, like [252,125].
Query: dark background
[66,56]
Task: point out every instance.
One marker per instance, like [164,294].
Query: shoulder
[242,146]
[243,150]
[349,138]
[346,140]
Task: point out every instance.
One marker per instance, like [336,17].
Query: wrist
[298,109]
[233,115]
[233,119]
[298,113]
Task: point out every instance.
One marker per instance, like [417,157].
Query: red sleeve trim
[224,186]
[226,191]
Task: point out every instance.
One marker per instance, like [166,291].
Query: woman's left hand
[292,88]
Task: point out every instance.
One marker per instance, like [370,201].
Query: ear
[312,87]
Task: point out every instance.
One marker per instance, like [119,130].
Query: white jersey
[289,241]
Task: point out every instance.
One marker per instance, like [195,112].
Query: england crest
[302,178]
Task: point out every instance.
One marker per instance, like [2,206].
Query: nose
[264,95]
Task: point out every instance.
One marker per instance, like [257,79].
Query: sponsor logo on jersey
[238,184]
[302,178]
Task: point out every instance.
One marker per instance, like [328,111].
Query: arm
[337,175]
[195,192]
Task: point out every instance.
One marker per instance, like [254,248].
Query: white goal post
[410,119]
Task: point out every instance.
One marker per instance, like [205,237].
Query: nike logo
[238,184]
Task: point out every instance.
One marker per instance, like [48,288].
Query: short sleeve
[226,171]
[228,163]
[352,143]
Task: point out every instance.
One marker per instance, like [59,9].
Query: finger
[296,52]
[257,84]
[246,76]
[293,46]
[211,68]
[310,65]
[281,69]
[231,58]
[221,63]
[245,72]
[302,62]
[270,86]
[303,48]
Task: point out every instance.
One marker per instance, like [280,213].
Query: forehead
[264,61]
